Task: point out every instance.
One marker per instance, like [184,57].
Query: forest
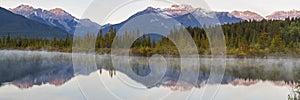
[266,38]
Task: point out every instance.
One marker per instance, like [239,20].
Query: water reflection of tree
[250,70]
[264,71]
[295,95]
[16,67]
[105,63]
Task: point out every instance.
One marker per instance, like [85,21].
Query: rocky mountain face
[247,15]
[277,15]
[178,10]
[55,17]
[281,15]
[184,12]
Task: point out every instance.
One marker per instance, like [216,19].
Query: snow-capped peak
[152,10]
[247,15]
[281,15]
[27,10]
[58,11]
[23,7]
[178,10]
[54,17]
[181,7]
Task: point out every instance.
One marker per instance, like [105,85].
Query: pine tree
[263,41]
[277,45]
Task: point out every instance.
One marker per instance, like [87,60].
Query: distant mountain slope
[184,14]
[57,17]
[247,15]
[281,15]
[18,25]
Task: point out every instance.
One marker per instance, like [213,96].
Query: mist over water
[26,69]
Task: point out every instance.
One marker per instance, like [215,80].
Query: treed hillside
[264,38]
[243,39]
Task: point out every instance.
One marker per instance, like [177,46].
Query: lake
[45,75]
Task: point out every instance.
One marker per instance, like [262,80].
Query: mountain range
[183,14]
[281,15]
[18,25]
[189,16]
[56,17]
[160,19]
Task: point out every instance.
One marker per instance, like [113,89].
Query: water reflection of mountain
[56,76]
[26,69]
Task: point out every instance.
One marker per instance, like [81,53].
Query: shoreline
[167,56]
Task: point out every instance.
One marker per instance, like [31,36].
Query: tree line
[21,43]
[244,39]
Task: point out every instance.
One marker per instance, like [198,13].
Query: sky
[119,10]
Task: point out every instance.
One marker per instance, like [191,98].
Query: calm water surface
[55,76]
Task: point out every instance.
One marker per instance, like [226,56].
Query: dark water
[61,76]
